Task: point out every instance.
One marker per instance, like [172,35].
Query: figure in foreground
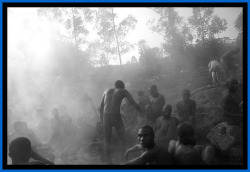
[20,152]
[183,151]
[152,154]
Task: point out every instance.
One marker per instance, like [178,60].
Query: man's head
[167,110]
[185,94]
[20,150]
[140,93]
[186,134]
[146,137]
[153,90]
[232,84]
[119,84]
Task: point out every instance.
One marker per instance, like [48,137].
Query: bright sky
[18,32]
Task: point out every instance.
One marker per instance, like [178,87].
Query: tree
[200,20]
[73,19]
[239,23]
[113,34]
[217,26]
[176,34]
[150,60]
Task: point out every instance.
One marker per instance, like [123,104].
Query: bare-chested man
[152,154]
[228,61]
[111,117]
[232,103]
[216,71]
[153,110]
[166,127]
[182,151]
[186,108]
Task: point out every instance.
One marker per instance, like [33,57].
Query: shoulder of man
[108,90]
[172,145]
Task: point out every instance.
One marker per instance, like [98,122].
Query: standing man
[153,110]
[111,116]
[228,61]
[216,72]
[186,108]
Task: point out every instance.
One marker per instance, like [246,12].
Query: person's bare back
[184,154]
[111,117]
[113,99]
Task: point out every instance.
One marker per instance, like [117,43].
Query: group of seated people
[172,141]
[182,151]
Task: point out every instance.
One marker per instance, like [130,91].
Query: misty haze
[125,86]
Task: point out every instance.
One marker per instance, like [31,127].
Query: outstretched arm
[36,156]
[131,99]
[143,159]
[133,149]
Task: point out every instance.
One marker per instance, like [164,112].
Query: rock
[220,138]
[228,139]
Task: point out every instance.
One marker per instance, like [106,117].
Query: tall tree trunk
[117,42]
[202,27]
[74,31]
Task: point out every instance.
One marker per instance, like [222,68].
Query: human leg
[120,130]
[107,140]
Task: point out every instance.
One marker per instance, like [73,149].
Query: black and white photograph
[126,85]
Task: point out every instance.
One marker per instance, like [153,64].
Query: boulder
[228,140]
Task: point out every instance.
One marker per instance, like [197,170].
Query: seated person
[20,152]
[186,108]
[232,104]
[152,153]
[207,153]
[229,62]
[166,127]
[153,110]
[182,151]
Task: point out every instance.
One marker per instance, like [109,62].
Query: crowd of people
[147,125]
